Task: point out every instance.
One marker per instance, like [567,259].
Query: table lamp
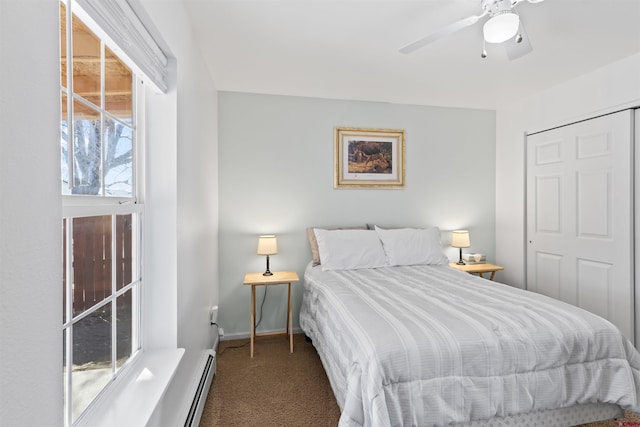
[460,239]
[267,245]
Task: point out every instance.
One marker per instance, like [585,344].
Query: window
[97,111]
[102,222]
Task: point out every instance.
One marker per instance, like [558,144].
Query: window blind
[120,22]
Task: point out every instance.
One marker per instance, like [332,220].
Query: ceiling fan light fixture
[502,26]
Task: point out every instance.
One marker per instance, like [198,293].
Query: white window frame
[75,206]
[69,213]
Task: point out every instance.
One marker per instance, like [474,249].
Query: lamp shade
[267,245]
[460,239]
[501,27]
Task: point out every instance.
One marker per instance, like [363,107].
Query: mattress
[432,346]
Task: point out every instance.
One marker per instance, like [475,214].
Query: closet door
[580,216]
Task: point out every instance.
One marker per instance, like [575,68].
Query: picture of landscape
[370,157]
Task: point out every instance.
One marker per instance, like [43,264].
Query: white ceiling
[348,49]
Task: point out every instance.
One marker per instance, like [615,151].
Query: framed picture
[368,158]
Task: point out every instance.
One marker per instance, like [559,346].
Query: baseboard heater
[202,391]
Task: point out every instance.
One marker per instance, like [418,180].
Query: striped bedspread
[430,345]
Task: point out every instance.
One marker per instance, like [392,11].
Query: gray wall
[276,176]
[181,276]
[30,216]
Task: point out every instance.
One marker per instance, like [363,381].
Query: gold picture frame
[368,158]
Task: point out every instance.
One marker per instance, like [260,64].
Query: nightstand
[478,268]
[278,278]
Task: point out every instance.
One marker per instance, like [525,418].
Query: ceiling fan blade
[517,49]
[444,31]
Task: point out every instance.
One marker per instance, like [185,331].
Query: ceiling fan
[503,24]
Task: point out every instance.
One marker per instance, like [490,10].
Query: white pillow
[349,249]
[412,246]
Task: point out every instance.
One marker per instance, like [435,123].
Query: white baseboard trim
[244,335]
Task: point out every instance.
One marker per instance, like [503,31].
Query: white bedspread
[430,345]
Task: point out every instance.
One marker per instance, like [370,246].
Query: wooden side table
[478,268]
[278,278]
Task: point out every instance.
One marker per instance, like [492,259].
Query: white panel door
[580,216]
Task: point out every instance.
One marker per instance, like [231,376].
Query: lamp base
[461,262]
[267,271]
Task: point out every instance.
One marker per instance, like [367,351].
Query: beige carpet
[277,388]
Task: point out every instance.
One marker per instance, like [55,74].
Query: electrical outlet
[221,332]
[214,314]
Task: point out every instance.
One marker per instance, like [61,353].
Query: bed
[424,344]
